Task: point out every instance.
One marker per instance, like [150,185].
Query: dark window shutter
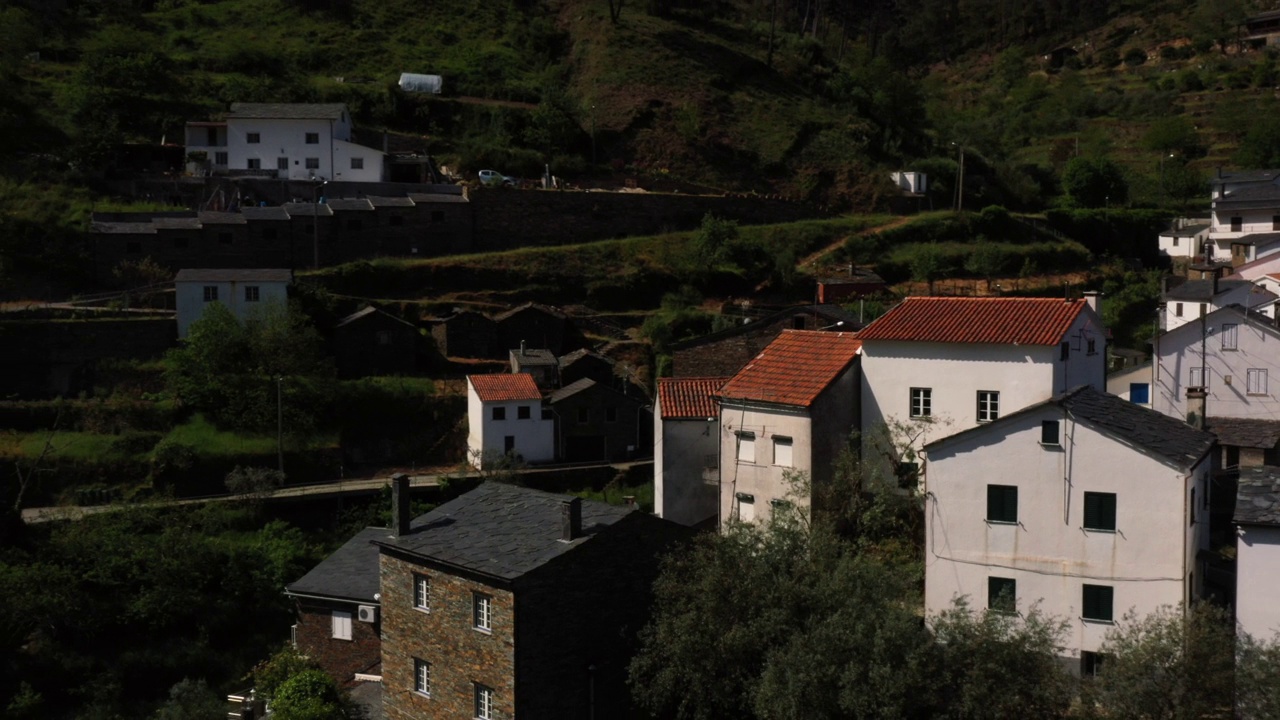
[1100,511]
[1049,433]
[1002,503]
[1097,602]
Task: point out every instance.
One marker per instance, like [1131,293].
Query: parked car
[493,177]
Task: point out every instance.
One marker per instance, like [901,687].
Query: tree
[926,265]
[1174,664]
[1257,677]
[192,700]
[1260,147]
[309,695]
[1094,182]
[1183,183]
[987,260]
[254,483]
[1171,134]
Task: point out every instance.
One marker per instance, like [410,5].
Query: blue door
[1140,393]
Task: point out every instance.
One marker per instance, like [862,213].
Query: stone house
[686,450]
[467,334]
[793,408]
[511,602]
[1084,502]
[723,353]
[541,364]
[373,342]
[596,422]
[540,326]
[585,363]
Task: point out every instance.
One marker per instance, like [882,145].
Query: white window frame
[211,293]
[1197,378]
[311,138]
[422,592]
[253,138]
[746,507]
[341,624]
[1256,381]
[253,164]
[313,163]
[422,677]
[252,293]
[1230,336]
[988,405]
[747,447]
[220,158]
[484,702]
[921,402]
[783,455]
[482,612]
[357,163]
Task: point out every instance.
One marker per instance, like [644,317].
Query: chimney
[571,520]
[521,348]
[1093,299]
[1217,273]
[1196,407]
[399,505]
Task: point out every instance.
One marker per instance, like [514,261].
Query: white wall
[286,138]
[760,476]
[190,303]
[1181,247]
[1048,553]
[1179,352]
[486,437]
[1258,580]
[1251,221]
[685,457]
[1118,383]
[1192,310]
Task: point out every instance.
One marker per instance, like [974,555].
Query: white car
[493,177]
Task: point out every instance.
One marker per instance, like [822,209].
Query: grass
[617,494]
[208,440]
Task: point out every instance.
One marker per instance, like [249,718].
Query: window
[1002,503]
[746,506]
[499,413]
[421,676]
[224,238]
[437,216]
[988,405]
[1197,377]
[1090,663]
[252,293]
[1256,381]
[1097,602]
[1275,222]
[341,625]
[252,138]
[133,248]
[1002,594]
[254,164]
[482,607]
[484,702]
[1140,393]
[584,416]
[210,293]
[782,451]
[1175,242]
[1091,346]
[1064,351]
[1237,224]
[313,163]
[282,163]
[421,592]
[220,158]
[921,402]
[746,447]
[522,412]
[313,138]
[1229,336]
[1177,309]
[357,163]
[611,414]
[1100,511]
[1050,432]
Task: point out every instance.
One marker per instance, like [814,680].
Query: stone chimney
[399,505]
[521,348]
[1093,299]
[1196,407]
[571,520]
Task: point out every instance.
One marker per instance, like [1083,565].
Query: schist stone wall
[342,659]
[444,636]
[725,356]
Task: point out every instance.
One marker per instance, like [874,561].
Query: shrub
[1189,81]
[1134,57]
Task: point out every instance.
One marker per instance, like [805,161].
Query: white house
[1132,384]
[1245,219]
[1232,354]
[686,453]
[1191,299]
[916,183]
[1186,241]
[949,364]
[244,291]
[290,141]
[505,416]
[1257,519]
[1085,503]
[790,409]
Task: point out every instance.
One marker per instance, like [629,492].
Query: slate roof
[689,398]
[265,213]
[1258,194]
[1187,231]
[235,275]
[997,321]
[306,209]
[535,357]
[1257,239]
[184,223]
[207,217]
[123,228]
[390,201]
[350,573]
[1245,432]
[501,530]
[794,369]
[505,387]
[287,111]
[571,389]
[1258,496]
[1202,289]
[429,198]
[1170,439]
[530,306]
[366,312]
[350,204]
[1239,176]
[582,353]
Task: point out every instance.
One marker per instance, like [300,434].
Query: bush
[1189,81]
[1134,57]
[170,457]
[135,443]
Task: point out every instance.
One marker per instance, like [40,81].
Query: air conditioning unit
[367,613]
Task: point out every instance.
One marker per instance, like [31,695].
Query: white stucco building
[1185,242]
[1190,300]
[1245,219]
[953,363]
[1085,503]
[505,416]
[289,141]
[686,452]
[1257,519]
[791,409]
[243,291]
[1132,384]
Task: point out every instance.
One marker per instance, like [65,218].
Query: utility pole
[279,424]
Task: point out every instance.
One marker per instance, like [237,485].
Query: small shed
[418,83]
[373,342]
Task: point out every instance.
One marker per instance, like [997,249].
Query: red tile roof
[999,321]
[501,387]
[684,398]
[795,368]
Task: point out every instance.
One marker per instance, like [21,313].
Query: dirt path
[813,258]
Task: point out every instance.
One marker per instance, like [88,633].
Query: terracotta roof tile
[998,321]
[685,398]
[502,387]
[794,369]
